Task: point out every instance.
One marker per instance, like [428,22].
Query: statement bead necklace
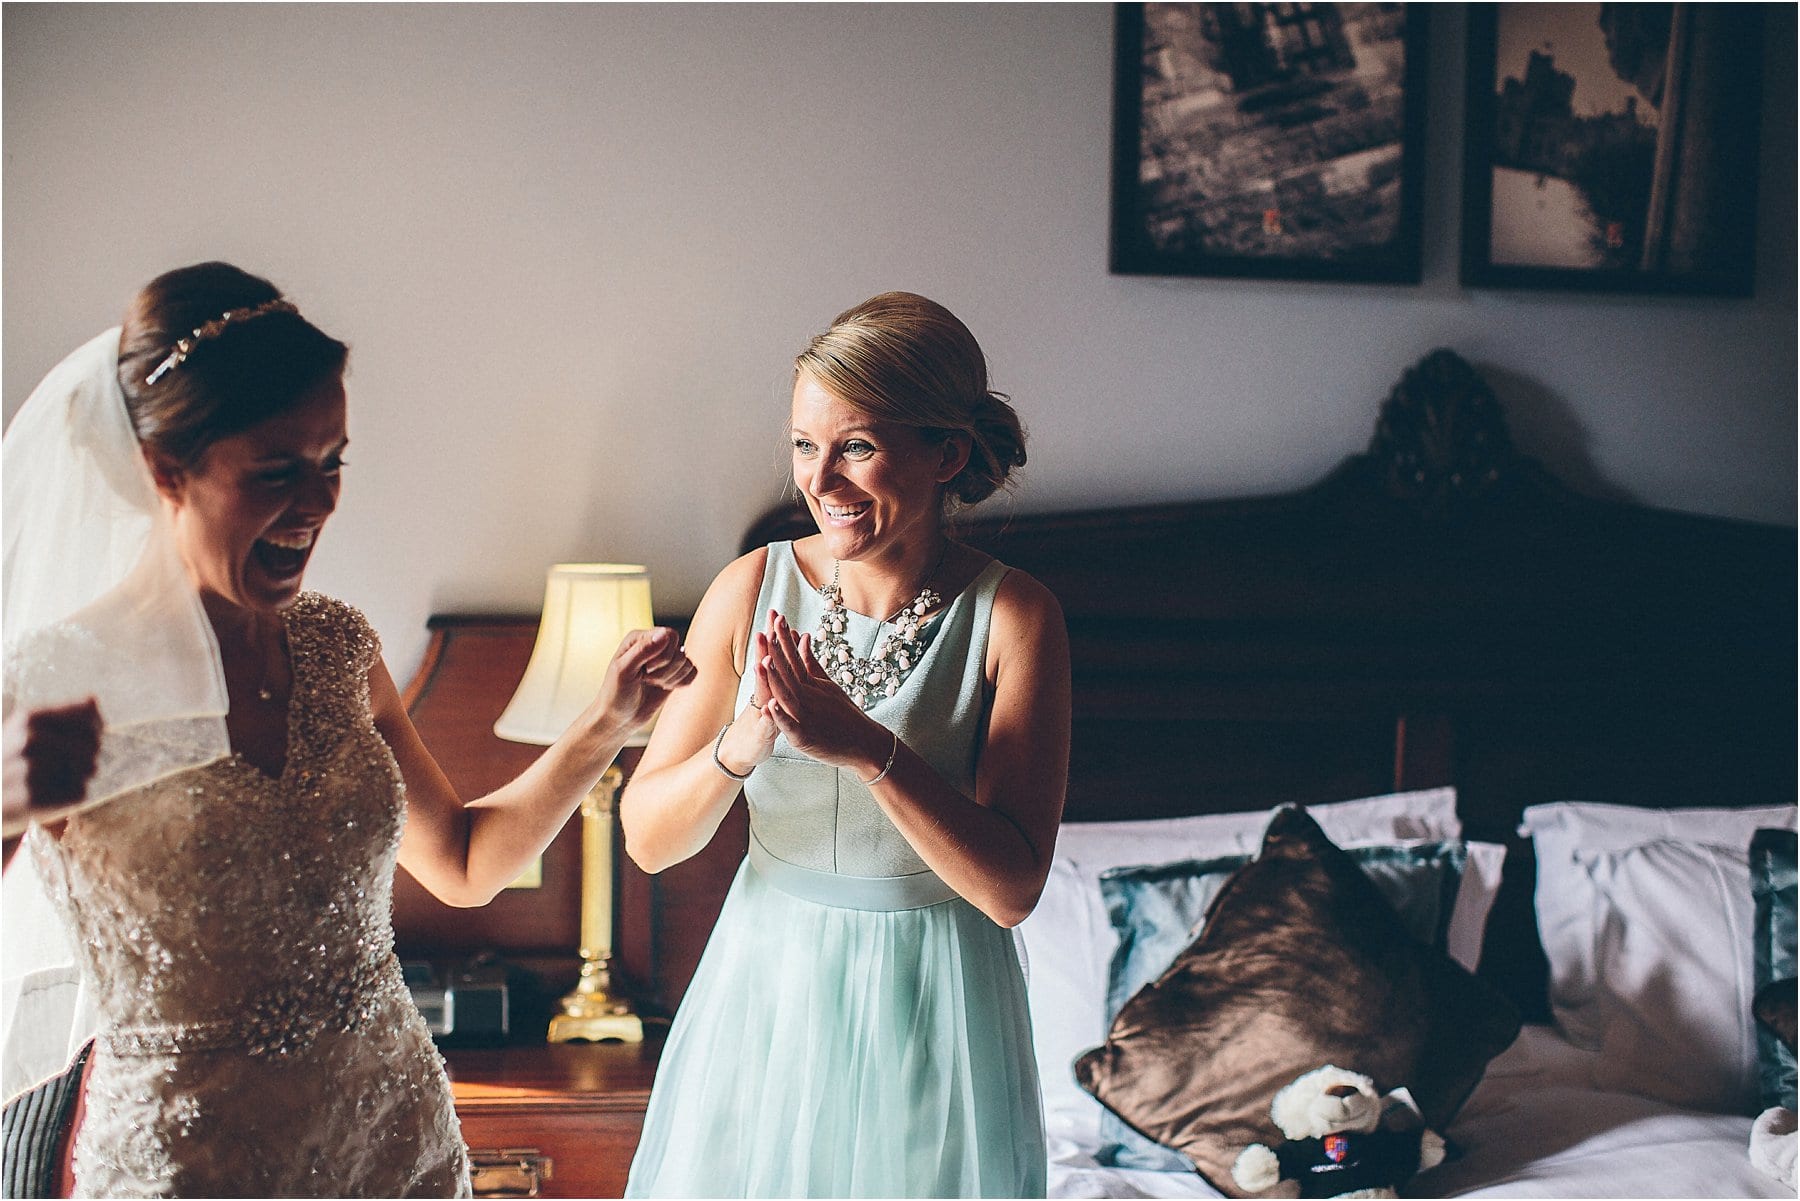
[895,654]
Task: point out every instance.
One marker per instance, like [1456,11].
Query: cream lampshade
[588,610]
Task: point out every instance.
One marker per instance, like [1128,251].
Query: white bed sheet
[1534,1128]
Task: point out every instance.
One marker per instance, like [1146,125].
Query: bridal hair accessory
[895,654]
[213,329]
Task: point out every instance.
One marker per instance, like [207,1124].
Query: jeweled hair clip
[212,329]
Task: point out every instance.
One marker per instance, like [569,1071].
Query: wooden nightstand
[553,1119]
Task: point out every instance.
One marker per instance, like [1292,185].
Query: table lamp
[588,610]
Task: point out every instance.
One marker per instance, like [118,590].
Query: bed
[1438,643]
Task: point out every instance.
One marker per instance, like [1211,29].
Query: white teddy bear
[1772,1144]
[1344,1139]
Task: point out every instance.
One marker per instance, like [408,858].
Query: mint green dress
[855,1028]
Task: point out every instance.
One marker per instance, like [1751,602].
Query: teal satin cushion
[1772,882]
[1158,910]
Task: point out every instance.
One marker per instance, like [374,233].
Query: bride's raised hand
[646,668]
[814,713]
[49,757]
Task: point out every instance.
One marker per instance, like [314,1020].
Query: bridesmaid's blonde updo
[901,358]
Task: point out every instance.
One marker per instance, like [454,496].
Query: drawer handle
[515,1172]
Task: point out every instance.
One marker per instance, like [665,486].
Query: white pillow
[1674,957]
[1069,943]
[1474,901]
[1600,827]
[1645,916]
[1427,814]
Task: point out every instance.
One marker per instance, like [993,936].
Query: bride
[226,879]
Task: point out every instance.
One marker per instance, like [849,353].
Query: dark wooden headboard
[1436,611]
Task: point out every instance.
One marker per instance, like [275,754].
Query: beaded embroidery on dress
[257,1038]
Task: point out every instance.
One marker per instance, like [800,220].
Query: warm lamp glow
[588,610]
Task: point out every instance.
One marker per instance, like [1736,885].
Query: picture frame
[1612,148]
[1269,141]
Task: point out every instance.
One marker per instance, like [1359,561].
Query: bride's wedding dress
[255,1036]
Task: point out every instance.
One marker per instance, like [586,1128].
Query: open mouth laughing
[283,555]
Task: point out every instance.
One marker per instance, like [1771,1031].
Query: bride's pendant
[896,653]
[265,689]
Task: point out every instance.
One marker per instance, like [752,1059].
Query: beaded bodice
[224,907]
[235,929]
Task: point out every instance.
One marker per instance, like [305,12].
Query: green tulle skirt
[836,1052]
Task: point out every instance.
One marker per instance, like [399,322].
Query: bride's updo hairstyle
[210,350]
[901,358]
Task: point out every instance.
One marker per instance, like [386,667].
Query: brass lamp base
[592,1014]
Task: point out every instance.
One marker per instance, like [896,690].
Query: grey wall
[575,248]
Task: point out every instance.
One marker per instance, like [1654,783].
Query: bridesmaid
[895,707]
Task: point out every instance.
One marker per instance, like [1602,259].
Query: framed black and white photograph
[1277,141]
[1612,147]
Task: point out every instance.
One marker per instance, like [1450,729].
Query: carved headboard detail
[1441,441]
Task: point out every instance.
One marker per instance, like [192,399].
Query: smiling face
[248,513]
[874,487]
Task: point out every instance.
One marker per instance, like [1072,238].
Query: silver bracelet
[720,763]
[885,767]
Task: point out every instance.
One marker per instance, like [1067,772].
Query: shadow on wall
[1544,427]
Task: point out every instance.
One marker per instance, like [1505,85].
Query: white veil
[96,602]
[96,599]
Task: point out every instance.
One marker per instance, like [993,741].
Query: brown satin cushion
[1302,962]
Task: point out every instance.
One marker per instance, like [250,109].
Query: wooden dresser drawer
[563,1119]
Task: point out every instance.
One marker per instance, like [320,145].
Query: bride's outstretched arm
[466,853]
[678,795]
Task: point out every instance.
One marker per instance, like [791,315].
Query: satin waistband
[877,894]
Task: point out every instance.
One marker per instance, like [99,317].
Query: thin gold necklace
[265,691]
